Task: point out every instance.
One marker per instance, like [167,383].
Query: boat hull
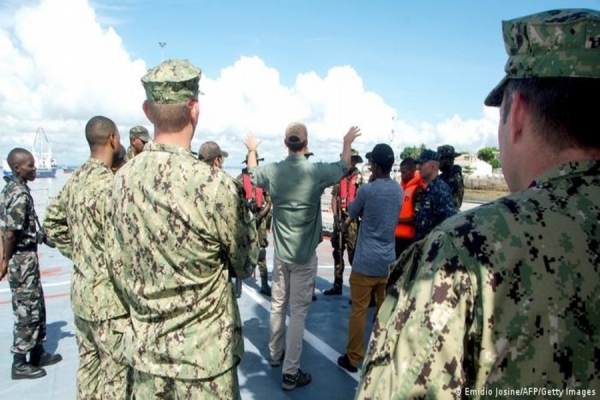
[40,173]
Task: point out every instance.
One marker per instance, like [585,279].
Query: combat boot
[40,358]
[264,285]
[21,369]
[336,290]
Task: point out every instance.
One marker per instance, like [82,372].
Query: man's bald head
[98,130]
[17,156]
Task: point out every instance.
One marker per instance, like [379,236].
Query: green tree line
[487,154]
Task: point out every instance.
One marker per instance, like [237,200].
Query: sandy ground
[483,196]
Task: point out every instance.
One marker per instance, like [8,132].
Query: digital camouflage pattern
[262,231]
[78,220]
[17,214]
[182,231]
[437,205]
[103,373]
[557,43]
[173,81]
[139,132]
[29,306]
[503,296]
[454,180]
[222,387]
[349,234]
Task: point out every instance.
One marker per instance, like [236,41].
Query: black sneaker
[344,362]
[291,382]
[277,362]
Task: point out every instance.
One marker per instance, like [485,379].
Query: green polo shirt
[296,186]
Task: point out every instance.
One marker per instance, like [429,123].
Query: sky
[405,72]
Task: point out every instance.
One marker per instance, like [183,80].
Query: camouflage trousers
[103,372]
[262,262]
[29,307]
[348,243]
[221,387]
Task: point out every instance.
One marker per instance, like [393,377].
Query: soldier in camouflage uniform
[19,259]
[436,203]
[78,220]
[261,212]
[344,237]
[183,232]
[506,296]
[138,138]
[452,174]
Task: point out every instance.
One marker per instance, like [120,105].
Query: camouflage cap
[173,81]
[355,156]
[210,150]
[139,132]
[427,155]
[447,151]
[557,43]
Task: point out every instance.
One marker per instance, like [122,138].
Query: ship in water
[42,153]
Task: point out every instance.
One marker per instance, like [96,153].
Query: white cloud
[59,66]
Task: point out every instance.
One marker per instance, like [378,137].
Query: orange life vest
[348,186]
[407,230]
[252,192]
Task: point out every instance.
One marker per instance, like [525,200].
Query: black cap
[381,154]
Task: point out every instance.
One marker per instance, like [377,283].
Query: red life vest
[252,192]
[407,230]
[348,186]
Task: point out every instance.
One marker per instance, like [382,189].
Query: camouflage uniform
[349,235]
[504,296]
[182,232]
[470,305]
[263,234]
[436,206]
[78,221]
[17,213]
[137,131]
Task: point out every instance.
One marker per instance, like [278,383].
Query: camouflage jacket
[263,234]
[454,179]
[181,229]
[503,296]
[129,153]
[17,213]
[436,206]
[78,220]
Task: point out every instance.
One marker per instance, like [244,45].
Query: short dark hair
[16,156]
[384,168]
[563,109]
[409,162]
[98,130]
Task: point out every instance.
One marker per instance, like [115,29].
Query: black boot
[21,369]
[40,358]
[264,285]
[336,290]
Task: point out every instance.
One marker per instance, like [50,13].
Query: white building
[478,167]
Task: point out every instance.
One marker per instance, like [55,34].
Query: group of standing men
[493,300]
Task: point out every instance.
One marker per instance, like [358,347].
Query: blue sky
[331,64]
[428,59]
